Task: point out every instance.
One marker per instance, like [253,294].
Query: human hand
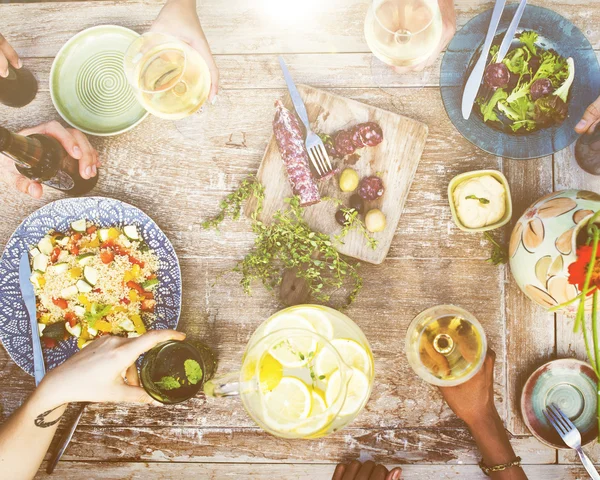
[448,30]
[7,55]
[104,371]
[590,119]
[179,19]
[356,470]
[474,399]
[75,143]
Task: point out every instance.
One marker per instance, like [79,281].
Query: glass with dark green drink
[173,371]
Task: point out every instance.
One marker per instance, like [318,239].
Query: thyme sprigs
[499,253]
[353,222]
[288,243]
[482,200]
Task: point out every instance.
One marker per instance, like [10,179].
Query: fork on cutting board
[570,435]
[314,145]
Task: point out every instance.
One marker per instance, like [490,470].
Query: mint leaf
[168,383]
[482,200]
[193,371]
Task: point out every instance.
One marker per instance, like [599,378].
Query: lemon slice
[316,424]
[317,319]
[351,352]
[358,389]
[270,373]
[294,351]
[289,402]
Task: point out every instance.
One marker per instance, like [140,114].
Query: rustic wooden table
[178,174]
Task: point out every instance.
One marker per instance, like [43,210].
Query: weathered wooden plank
[176,444]
[237,26]
[217,471]
[218,312]
[529,330]
[180,180]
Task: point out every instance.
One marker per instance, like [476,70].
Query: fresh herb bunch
[232,205]
[193,374]
[288,243]
[499,254]
[353,222]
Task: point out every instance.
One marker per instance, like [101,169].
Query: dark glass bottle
[19,88]
[43,159]
[587,152]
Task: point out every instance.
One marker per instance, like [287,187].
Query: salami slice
[290,141]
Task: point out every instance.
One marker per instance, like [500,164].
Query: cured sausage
[290,141]
[346,142]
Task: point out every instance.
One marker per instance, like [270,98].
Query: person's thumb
[395,474]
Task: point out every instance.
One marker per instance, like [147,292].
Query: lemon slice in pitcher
[295,350]
[317,319]
[351,352]
[358,389]
[288,403]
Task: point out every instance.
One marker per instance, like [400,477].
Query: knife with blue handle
[474,80]
[39,369]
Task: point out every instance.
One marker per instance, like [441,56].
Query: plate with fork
[394,160]
[569,385]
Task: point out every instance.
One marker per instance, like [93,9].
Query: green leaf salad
[528,89]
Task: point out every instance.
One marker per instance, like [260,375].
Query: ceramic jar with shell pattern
[543,244]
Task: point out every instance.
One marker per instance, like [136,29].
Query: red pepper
[76,237]
[61,303]
[97,290]
[148,305]
[54,255]
[148,295]
[152,276]
[135,286]
[74,250]
[71,318]
[49,342]
[126,301]
[107,256]
[91,229]
[119,250]
[135,261]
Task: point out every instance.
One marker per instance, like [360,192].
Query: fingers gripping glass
[170,78]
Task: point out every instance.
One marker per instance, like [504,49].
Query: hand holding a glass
[410,34]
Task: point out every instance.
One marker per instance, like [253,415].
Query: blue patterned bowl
[15,330]
[555,32]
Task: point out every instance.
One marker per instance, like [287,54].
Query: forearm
[26,436]
[494,445]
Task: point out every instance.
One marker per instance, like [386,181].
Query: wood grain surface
[178,173]
[395,161]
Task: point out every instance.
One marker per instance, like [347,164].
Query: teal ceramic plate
[88,84]
[571,385]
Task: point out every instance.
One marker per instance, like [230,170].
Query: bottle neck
[28,152]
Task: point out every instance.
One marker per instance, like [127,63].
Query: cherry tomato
[61,303]
[135,286]
[71,318]
[91,229]
[135,261]
[54,255]
[49,342]
[107,256]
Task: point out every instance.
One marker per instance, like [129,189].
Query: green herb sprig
[288,243]
[499,253]
[482,200]
[353,222]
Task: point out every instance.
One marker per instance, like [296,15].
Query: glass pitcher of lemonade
[307,372]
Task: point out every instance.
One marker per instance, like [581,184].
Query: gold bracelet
[499,468]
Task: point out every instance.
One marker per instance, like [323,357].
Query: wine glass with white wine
[403,33]
[170,78]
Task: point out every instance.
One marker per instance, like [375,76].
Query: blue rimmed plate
[15,330]
[555,32]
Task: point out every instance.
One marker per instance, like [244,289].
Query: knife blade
[510,32]
[474,80]
[66,439]
[294,94]
[39,369]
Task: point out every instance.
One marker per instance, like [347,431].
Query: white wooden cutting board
[395,160]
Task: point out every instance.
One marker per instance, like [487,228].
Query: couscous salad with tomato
[93,281]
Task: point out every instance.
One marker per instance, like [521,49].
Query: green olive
[348,180]
[375,220]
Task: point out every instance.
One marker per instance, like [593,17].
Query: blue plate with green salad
[527,105]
